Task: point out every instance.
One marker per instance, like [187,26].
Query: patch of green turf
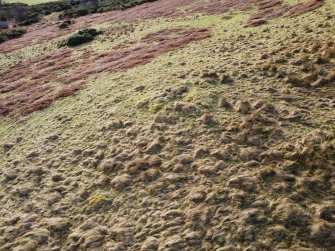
[292,2]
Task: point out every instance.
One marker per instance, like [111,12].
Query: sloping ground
[38,92]
[195,132]
[267,9]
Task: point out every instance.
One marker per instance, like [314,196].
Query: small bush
[78,39]
[329,53]
[15,33]
[30,21]
[320,59]
[82,37]
[2,38]
[82,11]
[65,24]
[4,15]
[7,35]
[295,80]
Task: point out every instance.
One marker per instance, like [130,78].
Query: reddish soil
[47,81]
[23,90]
[268,9]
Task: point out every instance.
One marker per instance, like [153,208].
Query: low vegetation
[24,14]
[65,24]
[93,6]
[11,34]
[81,37]
[28,14]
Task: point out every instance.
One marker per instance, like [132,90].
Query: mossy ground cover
[191,122]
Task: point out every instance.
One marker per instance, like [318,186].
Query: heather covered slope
[185,127]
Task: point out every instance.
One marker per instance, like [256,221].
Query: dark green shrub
[7,35]
[78,39]
[100,10]
[82,11]
[30,21]
[2,38]
[4,15]
[83,36]
[65,24]
[14,33]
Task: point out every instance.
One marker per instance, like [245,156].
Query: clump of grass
[315,47]
[309,78]
[331,76]
[320,59]
[329,52]
[269,68]
[295,80]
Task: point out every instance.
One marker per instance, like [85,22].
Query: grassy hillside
[184,125]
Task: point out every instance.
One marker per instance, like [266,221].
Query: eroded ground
[183,127]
